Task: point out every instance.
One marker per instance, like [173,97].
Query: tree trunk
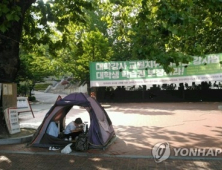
[9,50]
[9,44]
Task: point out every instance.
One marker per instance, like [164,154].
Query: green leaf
[4,9]
[17,18]
[9,17]
[3,28]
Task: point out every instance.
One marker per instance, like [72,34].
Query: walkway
[139,126]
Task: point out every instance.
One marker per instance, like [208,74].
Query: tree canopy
[67,35]
[28,24]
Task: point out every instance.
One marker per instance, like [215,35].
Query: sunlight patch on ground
[5,162]
[95,159]
[72,161]
[4,159]
[136,144]
[102,168]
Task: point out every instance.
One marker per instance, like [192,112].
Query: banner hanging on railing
[144,72]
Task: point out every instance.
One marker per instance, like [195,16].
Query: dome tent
[100,133]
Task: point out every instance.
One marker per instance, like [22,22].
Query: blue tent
[101,131]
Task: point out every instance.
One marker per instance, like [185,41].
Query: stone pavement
[138,126]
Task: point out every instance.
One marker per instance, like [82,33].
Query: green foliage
[10,12]
[61,37]
[173,32]
[34,67]
[32,98]
[95,47]
[46,23]
[22,89]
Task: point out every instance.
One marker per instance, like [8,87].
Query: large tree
[27,23]
[173,32]
[164,31]
[30,24]
[11,19]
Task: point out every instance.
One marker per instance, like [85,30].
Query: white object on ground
[67,149]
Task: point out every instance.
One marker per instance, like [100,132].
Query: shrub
[32,98]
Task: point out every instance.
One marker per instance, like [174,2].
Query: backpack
[81,143]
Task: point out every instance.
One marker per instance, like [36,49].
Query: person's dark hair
[78,121]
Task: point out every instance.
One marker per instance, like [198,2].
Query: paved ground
[68,162]
[139,126]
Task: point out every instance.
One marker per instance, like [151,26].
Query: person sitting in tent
[53,129]
[74,128]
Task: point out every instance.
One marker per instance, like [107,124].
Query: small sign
[22,102]
[23,105]
[7,89]
[12,121]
